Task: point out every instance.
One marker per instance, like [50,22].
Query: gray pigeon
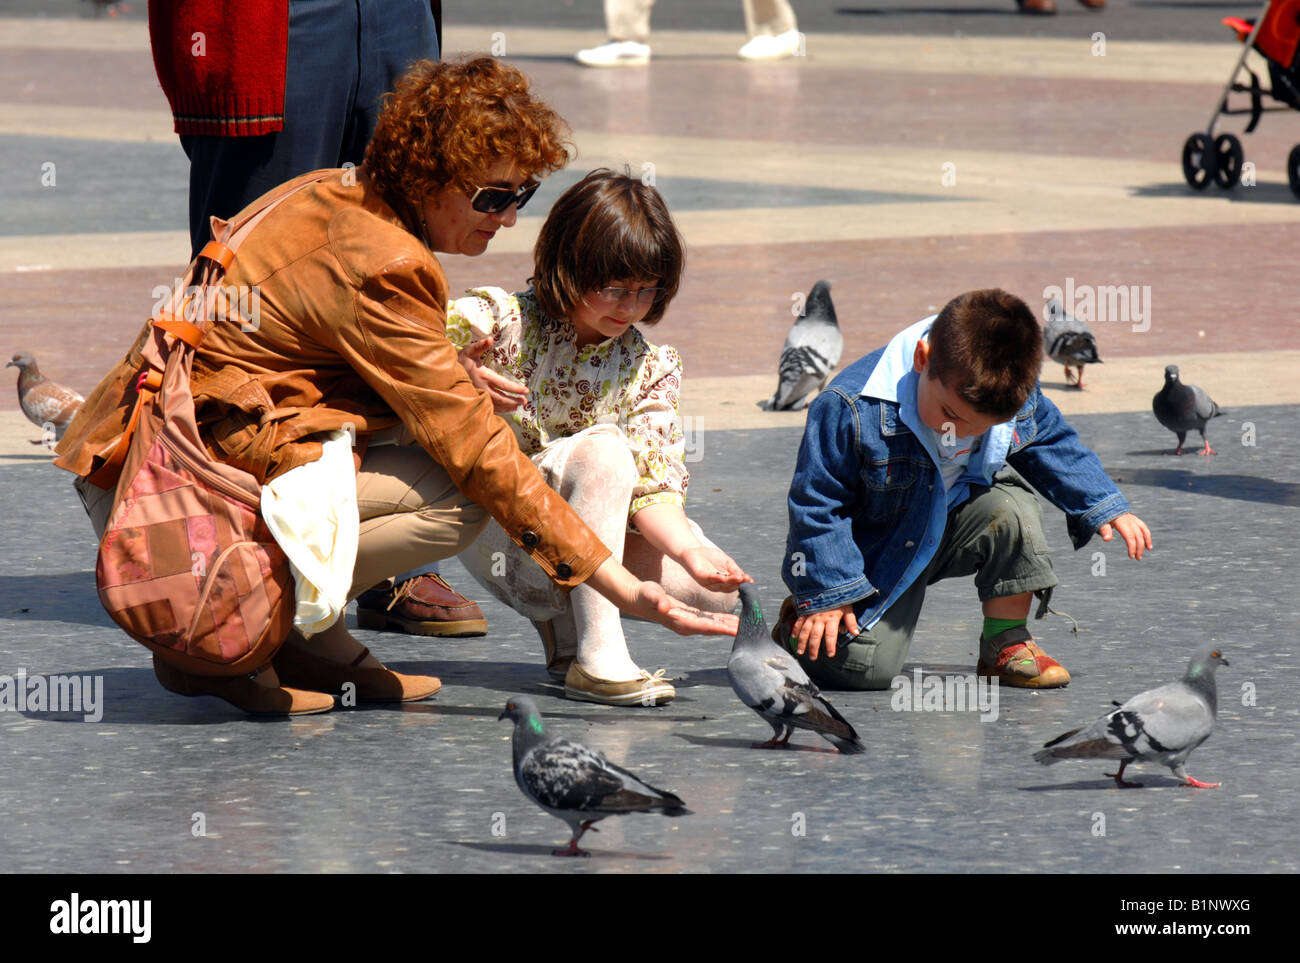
[1068,341]
[574,783]
[1180,407]
[43,401]
[771,681]
[1160,725]
[812,350]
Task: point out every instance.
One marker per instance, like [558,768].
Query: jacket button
[529,539]
[563,570]
[909,543]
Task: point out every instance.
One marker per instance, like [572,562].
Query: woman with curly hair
[351,335]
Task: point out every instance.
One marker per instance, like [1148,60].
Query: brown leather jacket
[348,332]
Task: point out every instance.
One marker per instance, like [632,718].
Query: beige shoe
[648,690]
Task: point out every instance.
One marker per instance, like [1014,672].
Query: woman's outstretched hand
[648,600]
[506,394]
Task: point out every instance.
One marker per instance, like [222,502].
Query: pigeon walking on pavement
[1069,341]
[44,402]
[771,681]
[1180,407]
[1160,725]
[574,783]
[812,350]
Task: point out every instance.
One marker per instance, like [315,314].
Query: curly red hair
[446,123]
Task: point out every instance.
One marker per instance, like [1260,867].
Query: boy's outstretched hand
[1134,531]
[823,628]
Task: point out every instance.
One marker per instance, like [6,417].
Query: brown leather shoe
[1040,7]
[368,684]
[424,605]
[243,692]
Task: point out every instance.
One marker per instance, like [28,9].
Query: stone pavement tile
[420,788]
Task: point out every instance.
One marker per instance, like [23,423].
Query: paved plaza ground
[916,151]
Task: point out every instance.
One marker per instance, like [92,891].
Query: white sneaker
[615,53]
[767,47]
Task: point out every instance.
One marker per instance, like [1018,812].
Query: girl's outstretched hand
[506,394]
[713,569]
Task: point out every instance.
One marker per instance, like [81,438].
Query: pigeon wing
[567,775]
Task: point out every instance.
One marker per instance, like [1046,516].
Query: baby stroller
[1275,34]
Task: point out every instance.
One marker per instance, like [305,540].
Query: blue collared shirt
[867,504]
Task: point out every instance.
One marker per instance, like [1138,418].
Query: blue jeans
[344,55]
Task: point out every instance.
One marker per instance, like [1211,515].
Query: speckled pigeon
[771,681]
[812,350]
[43,401]
[1180,407]
[1068,341]
[1160,725]
[574,783]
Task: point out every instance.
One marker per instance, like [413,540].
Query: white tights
[595,473]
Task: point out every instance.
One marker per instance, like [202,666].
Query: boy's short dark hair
[608,227]
[987,347]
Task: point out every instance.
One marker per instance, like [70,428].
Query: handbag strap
[212,264]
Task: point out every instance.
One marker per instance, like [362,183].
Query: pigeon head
[1054,309]
[819,303]
[751,625]
[1205,662]
[1171,373]
[522,709]
[22,361]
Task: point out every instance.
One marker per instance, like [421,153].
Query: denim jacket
[868,505]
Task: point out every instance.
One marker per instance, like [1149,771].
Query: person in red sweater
[264,90]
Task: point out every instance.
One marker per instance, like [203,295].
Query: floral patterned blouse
[624,381]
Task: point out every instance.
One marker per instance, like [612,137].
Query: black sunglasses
[494,200]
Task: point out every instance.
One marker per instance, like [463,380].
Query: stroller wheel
[1229,157]
[1293,170]
[1199,161]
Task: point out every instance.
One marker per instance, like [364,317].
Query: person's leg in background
[627,23]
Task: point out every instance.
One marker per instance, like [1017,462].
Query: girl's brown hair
[446,123]
[608,227]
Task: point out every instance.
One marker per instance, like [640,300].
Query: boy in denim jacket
[895,489]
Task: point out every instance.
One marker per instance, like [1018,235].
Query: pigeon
[1068,341]
[1160,725]
[812,350]
[574,783]
[44,402]
[771,681]
[1180,407]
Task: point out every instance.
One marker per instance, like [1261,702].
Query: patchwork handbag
[186,565]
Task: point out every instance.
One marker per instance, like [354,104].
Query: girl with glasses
[595,405]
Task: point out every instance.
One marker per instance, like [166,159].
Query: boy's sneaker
[615,53]
[1019,661]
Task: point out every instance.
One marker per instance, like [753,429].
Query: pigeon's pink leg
[775,742]
[1119,778]
[573,849]
[1207,450]
[1079,384]
[1197,784]
[1068,379]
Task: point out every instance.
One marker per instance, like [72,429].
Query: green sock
[993,626]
